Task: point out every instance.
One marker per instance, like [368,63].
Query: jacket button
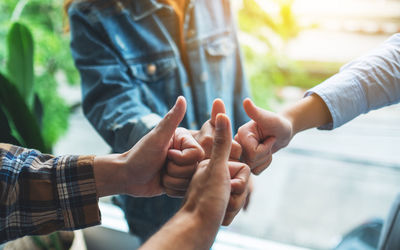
[151,69]
[191,33]
[204,76]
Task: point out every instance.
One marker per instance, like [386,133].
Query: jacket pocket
[221,47]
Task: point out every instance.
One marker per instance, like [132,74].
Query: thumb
[254,112]
[167,126]
[217,108]
[222,142]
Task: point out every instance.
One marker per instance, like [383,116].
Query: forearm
[48,187]
[186,230]
[307,113]
[367,83]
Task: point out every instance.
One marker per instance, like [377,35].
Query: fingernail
[221,122]
[176,102]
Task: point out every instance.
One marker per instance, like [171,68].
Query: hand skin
[137,172]
[183,161]
[268,132]
[205,207]
[205,135]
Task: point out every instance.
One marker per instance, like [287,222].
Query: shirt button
[151,69]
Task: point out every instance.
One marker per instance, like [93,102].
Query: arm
[368,83]
[41,193]
[112,100]
[196,223]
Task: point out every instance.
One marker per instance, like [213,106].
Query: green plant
[51,58]
[253,19]
[17,97]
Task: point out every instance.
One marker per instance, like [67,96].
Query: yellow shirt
[179,7]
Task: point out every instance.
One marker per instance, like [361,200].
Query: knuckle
[256,171]
[219,140]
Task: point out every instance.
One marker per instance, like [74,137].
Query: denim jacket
[132,70]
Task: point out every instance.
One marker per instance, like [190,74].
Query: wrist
[110,174]
[201,227]
[201,218]
[309,112]
[291,117]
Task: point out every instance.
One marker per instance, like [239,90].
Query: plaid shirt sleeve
[41,193]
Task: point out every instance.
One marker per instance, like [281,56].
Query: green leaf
[20,115]
[20,60]
[6,134]
[38,110]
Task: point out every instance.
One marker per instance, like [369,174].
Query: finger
[240,174]
[258,170]
[236,138]
[254,151]
[254,112]
[257,163]
[187,156]
[236,151]
[186,150]
[255,155]
[229,216]
[178,184]
[236,202]
[217,108]
[249,193]
[247,201]
[174,193]
[252,148]
[222,141]
[179,171]
[167,126]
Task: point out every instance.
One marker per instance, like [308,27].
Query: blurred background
[316,190]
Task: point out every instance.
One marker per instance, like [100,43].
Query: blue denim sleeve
[365,84]
[111,99]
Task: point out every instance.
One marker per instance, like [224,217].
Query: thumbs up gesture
[219,187]
[264,135]
[189,149]
[144,162]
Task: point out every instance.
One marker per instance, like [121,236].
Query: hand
[248,197]
[182,163]
[263,136]
[212,188]
[241,188]
[205,136]
[218,189]
[144,162]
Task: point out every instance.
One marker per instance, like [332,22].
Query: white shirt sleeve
[365,84]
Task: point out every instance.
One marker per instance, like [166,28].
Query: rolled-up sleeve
[365,84]
[40,193]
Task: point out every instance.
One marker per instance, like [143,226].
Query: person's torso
[146,37]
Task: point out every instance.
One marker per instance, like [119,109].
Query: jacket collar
[144,8]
